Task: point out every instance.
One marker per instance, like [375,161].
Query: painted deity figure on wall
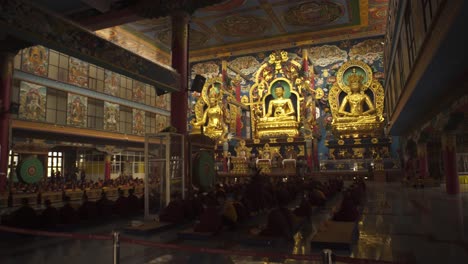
[78,72]
[111,116]
[35,60]
[77,110]
[33,101]
[138,122]
[111,83]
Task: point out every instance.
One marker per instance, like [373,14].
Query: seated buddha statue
[355,102]
[280,108]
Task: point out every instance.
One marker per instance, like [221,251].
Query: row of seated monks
[353,197]
[88,212]
[230,206]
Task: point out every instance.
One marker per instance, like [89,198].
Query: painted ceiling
[233,27]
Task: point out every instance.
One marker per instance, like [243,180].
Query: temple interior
[233,131]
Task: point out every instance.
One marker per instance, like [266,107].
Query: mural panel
[32,101]
[161,122]
[138,92]
[78,72]
[35,60]
[111,117]
[111,83]
[138,122]
[77,110]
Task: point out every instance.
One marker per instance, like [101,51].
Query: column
[6,77]
[179,100]
[107,167]
[450,163]
[422,157]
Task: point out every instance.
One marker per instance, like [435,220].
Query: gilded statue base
[264,165]
[278,129]
[357,130]
[240,165]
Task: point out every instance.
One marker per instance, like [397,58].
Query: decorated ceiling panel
[256,24]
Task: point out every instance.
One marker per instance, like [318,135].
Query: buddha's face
[279,91]
[212,101]
[355,86]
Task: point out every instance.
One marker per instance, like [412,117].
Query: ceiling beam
[110,19]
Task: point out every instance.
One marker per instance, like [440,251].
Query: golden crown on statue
[355,78]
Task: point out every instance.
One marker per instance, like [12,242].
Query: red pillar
[450,163]
[179,100]
[422,156]
[6,77]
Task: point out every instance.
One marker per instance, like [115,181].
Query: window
[14,158]
[95,113]
[150,122]
[54,163]
[126,120]
[56,107]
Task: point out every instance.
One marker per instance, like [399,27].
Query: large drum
[30,170]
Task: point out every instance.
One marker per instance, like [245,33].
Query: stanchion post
[328,257]
[116,248]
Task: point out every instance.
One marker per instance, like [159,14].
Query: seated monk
[121,205]
[25,216]
[88,210]
[174,212]
[229,212]
[280,223]
[50,216]
[348,211]
[317,197]
[210,221]
[304,209]
[133,202]
[67,213]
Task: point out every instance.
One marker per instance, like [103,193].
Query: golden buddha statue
[356,100]
[279,114]
[212,119]
[280,108]
[356,115]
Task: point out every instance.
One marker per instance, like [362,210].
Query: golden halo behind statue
[361,68]
[212,83]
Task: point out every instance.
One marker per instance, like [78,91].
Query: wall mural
[111,83]
[138,92]
[77,110]
[111,117]
[78,72]
[32,101]
[138,122]
[164,101]
[161,122]
[35,60]
[323,62]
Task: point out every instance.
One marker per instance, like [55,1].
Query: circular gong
[31,170]
[203,170]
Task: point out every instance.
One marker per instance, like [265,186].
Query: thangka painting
[138,122]
[162,101]
[111,83]
[161,122]
[78,72]
[111,116]
[77,110]
[35,60]
[32,101]
[138,92]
